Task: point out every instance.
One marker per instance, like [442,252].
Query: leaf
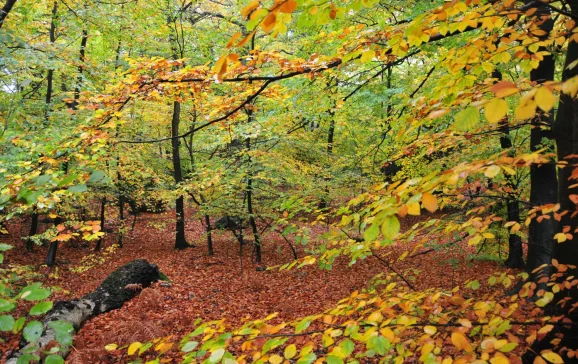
[429,202]
[33,331]
[495,110]
[504,88]
[275,359]
[41,180]
[78,188]
[492,171]
[269,22]
[290,351]
[190,346]
[371,233]
[552,357]
[430,330]
[111,347]
[288,6]
[216,355]
[5,247]
[34,292]
[221,66]
[508,347]
[379,344]
[461,342]
[41,308]
[390,227]
[67,180]
[96,176]
[53,359]
[413,208]
[6,306]
[545,99]
[6,323]
[133,347]
[467,119]
[526,110]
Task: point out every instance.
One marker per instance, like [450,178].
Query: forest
[288,181]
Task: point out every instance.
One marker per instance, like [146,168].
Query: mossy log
[112,293]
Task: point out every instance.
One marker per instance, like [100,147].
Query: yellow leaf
[570,87]
[545,99]
[492,171]
[465,323]
[560,237]
[461,342]
[133,347]
[504,88]
[111,347]
[495,110]
[430,330]
[233,39]
[526,110]
[413,208]
[249,8]
[275,359]
[499,360]
[367,56]
[290,351]
[221,66]
[552,357]
[467,118]
[429,202]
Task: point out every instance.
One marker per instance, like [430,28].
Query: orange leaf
[269,22]
[504,88]
[288,6]
[233,39]
[429,202]
[249,8]
[461,342]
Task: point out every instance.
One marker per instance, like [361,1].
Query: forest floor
[214,287]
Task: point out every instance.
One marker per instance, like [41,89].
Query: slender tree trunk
[50,76]
[120,214]
[51,257]
[82,58]
[180,240]
[5,10]
[249,194]
[102,215]
[33,230]
[543,190]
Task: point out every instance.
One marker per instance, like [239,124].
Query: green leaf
[334,360]
[53,359]
[27,358]
[467,119]
[379,344]
[32,331]
[347,347]
[190,346]
[307,359]
[390,227]
[67,180]
[6,306]
[4,247]
[78,188]
[34,292]
[302,325]
[19,324]
[96,176]
[63,331]
[6,323]
[216,355]
[41,180]
[41,308]
[371,233]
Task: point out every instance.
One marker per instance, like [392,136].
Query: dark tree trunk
[102,214]
[110,295]
[120,216]
[50,76]
[543,190]
[209,235]
[5,10]
[249,194]
[51,257]
[515,253]
[180,240]
[81,58]
[33,231]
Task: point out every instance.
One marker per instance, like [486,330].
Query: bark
[50,76]
[33,231]
[102,215]
[543,179]
[110,295]
[515,253]
[209,236]
[82,57]
[249,194]
[120,215]
[6,10]
[180,240]
[51,257]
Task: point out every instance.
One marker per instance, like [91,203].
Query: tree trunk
[515,253]
[110,295]
[543,190]
[51,257]
[5,10]
[33,231]
[209,236]
[81,58]
[102,213]
[180,240]
[50,76]
[120,216]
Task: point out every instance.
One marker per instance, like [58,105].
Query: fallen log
[112,293]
